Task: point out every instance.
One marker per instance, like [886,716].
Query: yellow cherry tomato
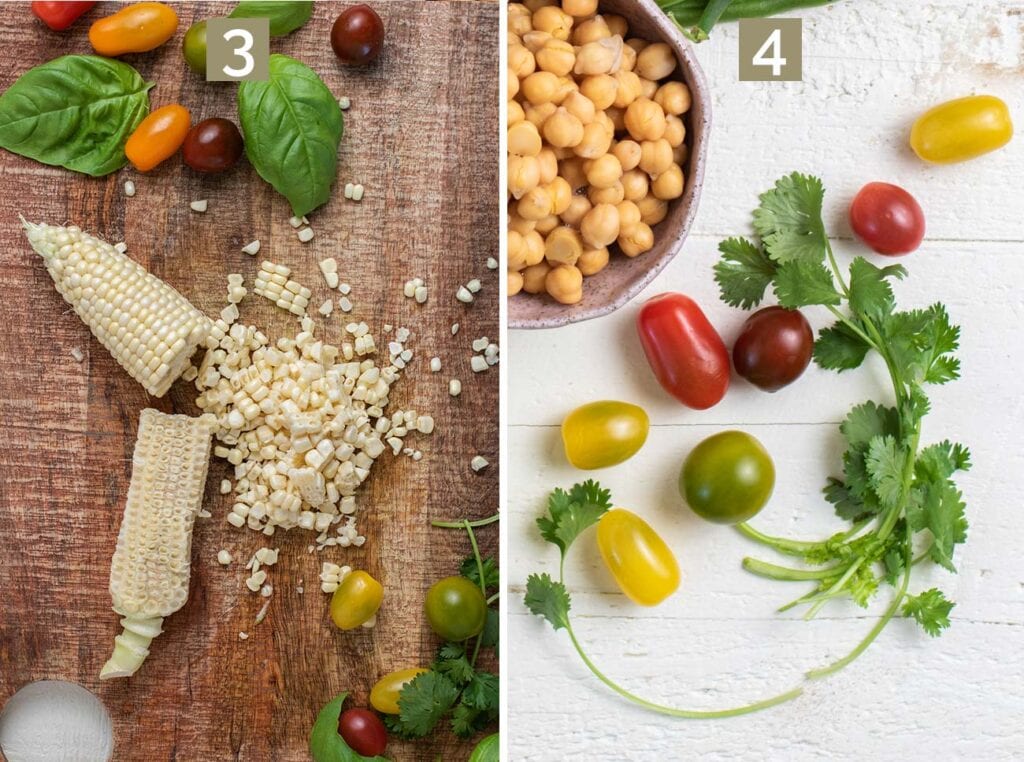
[158,137]
[357,598]
[601,434]
[133,29]
[962,129]
[639,560]
[384,694]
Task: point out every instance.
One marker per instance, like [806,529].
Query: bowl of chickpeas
[608,122]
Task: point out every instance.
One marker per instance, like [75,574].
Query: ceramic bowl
[624,278]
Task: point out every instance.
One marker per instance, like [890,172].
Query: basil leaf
[75,112]
[292,126]
[487,750]
[285,17]
[326,744]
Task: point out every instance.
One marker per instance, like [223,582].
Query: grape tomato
[604,433]
[887,219]
[133,29]
[962,129]
[363,731]
[385,692]
[357,35]
[774,348]
[212,146]
[158,137]
[641,563]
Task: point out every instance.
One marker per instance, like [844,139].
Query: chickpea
[519,19]
[629,217]
[565,284]
[617,25]
[523,175]
[637,44]
[535,5]
[680,154]
[669,184]
[517,250]
[515,113]
[604,120]
[641,239]
[627,88]
[579,8]
[628,153]
[520,61]
[537,115]
[644,119]
[533,244]
[547,224]
[533,277]
[572,172]
[566,87]
[548,165]
[540,87]
[596,141]
[580,106]
[576,211]
[554,21]
[648,88]
[600,89]
[656,61]
[562,153]
[524,139]
[603,172]
[534,40]
[655,156]
[591,30]
[634,184]
[652,210]
[628,62]
[599,57]
[512,90]
[518,224]
[592,261]
[612,195]
[600,226]
[617,117]
[535,204]
[513,39]
[675,130]
[557,56]
[674,97]
[563,246]
[561,194]
[515,282]
[562,129]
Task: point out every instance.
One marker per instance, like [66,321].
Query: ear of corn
[149,328]
[150,570]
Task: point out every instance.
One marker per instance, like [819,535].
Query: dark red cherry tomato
[363,731]
[59,16]
[774,348]
[887,218]
[213,145]
[357,35]
[684,350]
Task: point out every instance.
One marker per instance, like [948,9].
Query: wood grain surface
[421,136]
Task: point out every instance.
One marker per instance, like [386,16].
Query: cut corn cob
[150,568]
[149,328]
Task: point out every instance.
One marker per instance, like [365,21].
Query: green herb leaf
[285,15]
[466,720]
[940,461]
[292,126]
[424,701]
[743,273]
[930,609]
[75,112]
[944,515]
[572,512]
[800,283]
[848,506]
[488,750]
[870,292]
[471,571]
[456,668]
[482,692]
[838,348]
[789,221]
[868,421]
[547,598]
[326,744]
[886,461]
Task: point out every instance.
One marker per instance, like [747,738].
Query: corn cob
[149,328]
[150,568]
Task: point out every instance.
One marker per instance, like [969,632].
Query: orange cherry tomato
[158,137]
[134,29]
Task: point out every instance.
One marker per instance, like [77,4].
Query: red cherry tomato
[363,730]
[214,145]
[685,352]
[887,218]
[774,348]
[59,16]
[357,35]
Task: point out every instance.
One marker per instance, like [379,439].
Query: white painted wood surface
[870,67]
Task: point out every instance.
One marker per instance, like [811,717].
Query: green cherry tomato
[356,600]
[194,47]
[601,434]
[456,609]
[639,560]
[962,129]
[727,478]
[384,694]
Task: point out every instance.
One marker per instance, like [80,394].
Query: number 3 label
[771,50]
[237,49]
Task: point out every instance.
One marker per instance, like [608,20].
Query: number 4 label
[771,50]
[237,49]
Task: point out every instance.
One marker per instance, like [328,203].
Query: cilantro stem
[468,526]
[462,524]
[835,268]
[799,548]
[493,598]
[823,598]
[787,574]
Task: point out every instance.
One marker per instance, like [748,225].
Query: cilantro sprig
[569,514]
[897,495]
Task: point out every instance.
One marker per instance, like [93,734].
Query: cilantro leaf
[944,515]
[570,513]
[491,632]
[789,220]
[894,565]
[885,462]
[743,273]
[799,283]
[848,505]
[424,701]
[466,720]
[470,571]
[870,292]
[457,669]
[838,348]
[482,692]
[940,461]
[930,609]
[867,421]
[547,598]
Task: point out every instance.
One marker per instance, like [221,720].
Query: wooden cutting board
[421,136]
